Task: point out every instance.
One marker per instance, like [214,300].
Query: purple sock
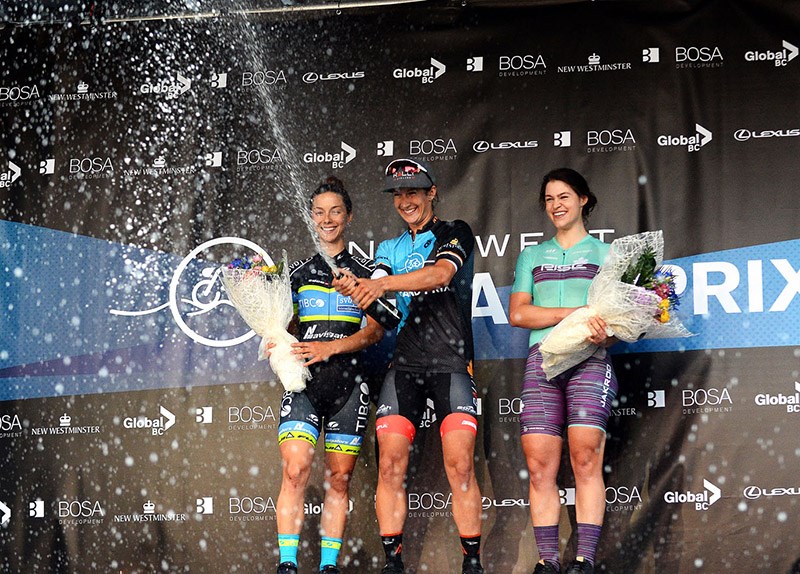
[547,543]
[588,537]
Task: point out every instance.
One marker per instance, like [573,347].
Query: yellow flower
[664,317]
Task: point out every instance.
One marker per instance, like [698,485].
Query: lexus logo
[310,77]
[752,492]
[481,146]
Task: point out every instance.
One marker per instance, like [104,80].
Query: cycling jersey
[557,277]
[435,334]
[324,314]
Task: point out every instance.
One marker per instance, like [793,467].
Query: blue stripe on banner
[738,298]
[83,315]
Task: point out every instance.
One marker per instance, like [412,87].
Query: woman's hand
[311,352]
[599,335]
[362,291]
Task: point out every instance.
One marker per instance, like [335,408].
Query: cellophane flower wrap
[630,293]
[262,294]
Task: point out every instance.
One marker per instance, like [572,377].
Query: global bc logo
[701,500]
[425,75]
[692,142]
[158,426]
[170,88]
[336,160]
[779,58]
[10,176]
[790,402]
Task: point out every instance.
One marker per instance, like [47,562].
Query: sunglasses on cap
[404,167]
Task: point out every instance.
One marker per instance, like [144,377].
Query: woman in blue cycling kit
[551,281]
[336,400]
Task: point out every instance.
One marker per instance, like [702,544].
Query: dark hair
[576,181]
[332,185]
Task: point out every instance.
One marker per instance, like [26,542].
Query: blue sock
[329,551]
[288,544]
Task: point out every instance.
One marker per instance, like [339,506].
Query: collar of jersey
[427,227]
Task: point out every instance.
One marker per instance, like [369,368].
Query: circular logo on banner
[310,77]
[742,135]
[207,292]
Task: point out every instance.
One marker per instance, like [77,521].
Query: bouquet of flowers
[631,293]
[262,295]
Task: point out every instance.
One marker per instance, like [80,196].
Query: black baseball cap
[410,173]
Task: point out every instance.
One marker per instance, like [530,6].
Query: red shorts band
[458,421]
[396,424]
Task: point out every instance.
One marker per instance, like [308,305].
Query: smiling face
[415,206]
[563,205]
[331,218]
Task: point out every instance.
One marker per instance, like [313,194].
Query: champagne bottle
[384,313]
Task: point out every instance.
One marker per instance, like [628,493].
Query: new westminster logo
[197,296]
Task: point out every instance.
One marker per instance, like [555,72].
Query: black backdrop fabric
[137,430]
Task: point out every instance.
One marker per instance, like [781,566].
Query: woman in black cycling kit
[336,399]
